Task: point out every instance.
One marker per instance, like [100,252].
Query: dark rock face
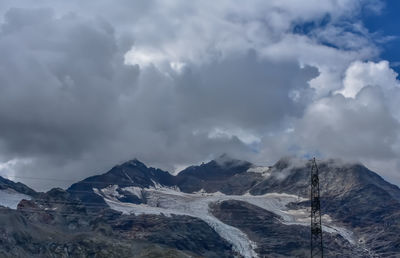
[264,228]
[226,176]
[216,170]
[180,232]
[275,239]
[22,237]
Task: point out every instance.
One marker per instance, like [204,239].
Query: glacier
[170,200]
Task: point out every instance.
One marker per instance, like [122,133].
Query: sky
[86,85]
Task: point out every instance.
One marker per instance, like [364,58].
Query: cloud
[59,76]
[359,123]
[84,86]
[60,81]
[357,128]
[360,75]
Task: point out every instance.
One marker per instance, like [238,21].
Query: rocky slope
[224,208]
[352,195]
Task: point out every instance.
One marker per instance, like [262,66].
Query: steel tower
[316,228]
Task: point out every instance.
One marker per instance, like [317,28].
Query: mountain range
[223,208]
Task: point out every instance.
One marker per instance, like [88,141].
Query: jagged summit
[134,162]
[129,174]
[220,168]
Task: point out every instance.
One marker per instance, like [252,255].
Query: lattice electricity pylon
[316,227]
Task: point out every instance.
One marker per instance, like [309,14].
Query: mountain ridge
[236,208]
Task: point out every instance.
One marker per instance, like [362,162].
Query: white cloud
[362,127]
[360,122]
[10,169]
[244,136]
[145,57]
[362,74]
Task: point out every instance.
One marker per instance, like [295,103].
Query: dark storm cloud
[86,85]
[66,95]
[59,82]
[246,91]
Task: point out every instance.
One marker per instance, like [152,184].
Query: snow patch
[264,171]
[164,188]
[302,217]
[129,178]
[137,191]
[10,198]
[109,192]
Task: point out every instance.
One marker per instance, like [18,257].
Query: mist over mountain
[222,208]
